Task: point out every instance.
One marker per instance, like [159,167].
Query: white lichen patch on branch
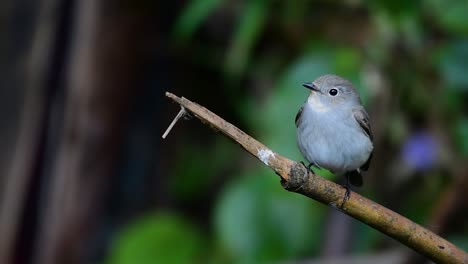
[264,155]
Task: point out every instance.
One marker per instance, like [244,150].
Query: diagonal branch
[297,178]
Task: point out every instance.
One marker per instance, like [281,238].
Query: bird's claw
[310,166]
[346,196]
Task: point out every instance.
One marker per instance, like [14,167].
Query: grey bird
[333,129]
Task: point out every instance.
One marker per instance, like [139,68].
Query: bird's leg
[347,186]
[310,166]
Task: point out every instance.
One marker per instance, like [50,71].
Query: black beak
[310,85]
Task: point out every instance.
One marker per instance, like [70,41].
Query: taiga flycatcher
[333,129]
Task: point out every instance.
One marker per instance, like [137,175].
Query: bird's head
[331,91]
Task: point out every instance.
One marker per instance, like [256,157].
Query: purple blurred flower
[420,150]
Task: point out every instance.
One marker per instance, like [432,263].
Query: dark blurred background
[86,178]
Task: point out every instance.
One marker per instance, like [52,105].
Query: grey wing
[298,116]
[363,120]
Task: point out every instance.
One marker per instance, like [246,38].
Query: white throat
[316,105]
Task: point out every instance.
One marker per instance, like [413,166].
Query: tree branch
[297,178]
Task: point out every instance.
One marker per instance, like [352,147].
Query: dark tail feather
[355,178]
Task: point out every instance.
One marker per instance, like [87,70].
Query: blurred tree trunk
[84,61]
[99,86]
[27,160]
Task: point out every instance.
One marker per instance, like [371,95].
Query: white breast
[315,104]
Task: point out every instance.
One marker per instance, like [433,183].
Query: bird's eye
[333,92]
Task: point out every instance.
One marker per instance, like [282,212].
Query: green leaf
[428,190]
[192,16]
[158,238]
[347,61]
[193,176]
[248,30]
[253,220]
[452,100]
[450,14]
[452,62]
[366,239]
[461,136]
[398,8]
[294,12]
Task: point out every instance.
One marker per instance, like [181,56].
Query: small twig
[296,177]
[181,113]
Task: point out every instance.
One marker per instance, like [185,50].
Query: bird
[333,130]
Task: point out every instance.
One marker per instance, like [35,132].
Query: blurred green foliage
[453,63]
[193,16]
[159,238]
[193,179]
[451,15]
[248,30]
[461,136]
[257,221]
